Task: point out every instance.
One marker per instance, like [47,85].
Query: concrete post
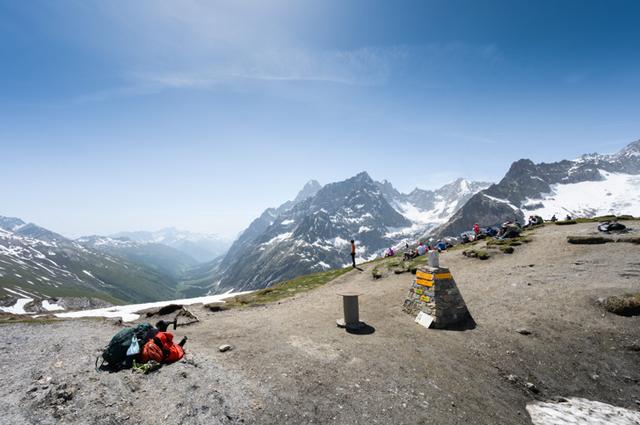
[351,311]
[434,259]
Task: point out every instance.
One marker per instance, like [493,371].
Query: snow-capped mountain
[200,246]
[312,233]
[589,186]
[41,263]
[427,209]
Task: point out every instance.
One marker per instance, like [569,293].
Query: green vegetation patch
[602,218]
[6,318]
[376,272]
[509,242]
[507,249]
[476,253]
[632,239]
[286,289]
[625,305]
[588,240]
[597,240]
[566,222]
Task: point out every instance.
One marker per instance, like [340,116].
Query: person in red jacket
[476,229]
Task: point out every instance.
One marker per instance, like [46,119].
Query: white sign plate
[424,319]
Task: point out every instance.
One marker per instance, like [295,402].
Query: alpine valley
[308,234]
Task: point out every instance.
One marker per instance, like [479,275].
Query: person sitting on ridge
[410,255]
[422,249]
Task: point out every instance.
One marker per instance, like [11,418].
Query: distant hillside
[42,263]
[199,246]
[156,256]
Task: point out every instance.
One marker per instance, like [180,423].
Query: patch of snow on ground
[616,194]
[18,307]
[128,312]
[324,265]
[88,273]
[580,411]
[51,306]
[287,222]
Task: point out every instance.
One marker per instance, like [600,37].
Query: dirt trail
[291,364]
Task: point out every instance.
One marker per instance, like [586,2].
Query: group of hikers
[421,249]
[509,229]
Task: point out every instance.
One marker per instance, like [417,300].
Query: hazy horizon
[120,116]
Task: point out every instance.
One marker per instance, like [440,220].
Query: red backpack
[162,349]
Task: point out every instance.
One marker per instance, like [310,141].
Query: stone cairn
[435,301]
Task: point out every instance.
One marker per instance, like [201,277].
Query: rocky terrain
[541,335]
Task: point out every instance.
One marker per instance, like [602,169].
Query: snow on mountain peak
[631,150]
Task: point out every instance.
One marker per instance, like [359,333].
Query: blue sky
[121,115]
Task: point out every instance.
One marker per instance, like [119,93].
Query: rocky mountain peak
[387,189]
[519,168]
[362,176]
[10,223]
[309,190]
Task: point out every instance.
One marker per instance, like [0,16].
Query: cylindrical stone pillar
[434,259]
[351,309]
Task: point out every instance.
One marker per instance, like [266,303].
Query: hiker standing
[476,229]
[353,253]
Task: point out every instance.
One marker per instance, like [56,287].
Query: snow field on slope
[617,194]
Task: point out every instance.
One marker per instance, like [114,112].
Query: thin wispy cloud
[202,45]
[366,66]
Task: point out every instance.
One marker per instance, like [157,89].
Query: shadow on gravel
[467,325]
[364,330]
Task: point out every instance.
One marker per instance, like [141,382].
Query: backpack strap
[98,367]
[160,344]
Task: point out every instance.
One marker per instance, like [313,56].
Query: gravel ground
[291,364]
